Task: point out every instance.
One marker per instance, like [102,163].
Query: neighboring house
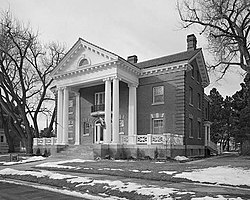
[119,105]
[4,148]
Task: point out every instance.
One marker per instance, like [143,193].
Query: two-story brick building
[112,105]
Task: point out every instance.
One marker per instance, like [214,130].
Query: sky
[146,28]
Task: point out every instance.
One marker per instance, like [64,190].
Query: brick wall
[192,111]
[173,107]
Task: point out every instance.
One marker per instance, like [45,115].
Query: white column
[65,115]
[132,118]
[107,130]
[115,121]
[77,119]
[59,125]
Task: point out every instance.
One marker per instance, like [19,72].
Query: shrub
[38,152]
[156,153]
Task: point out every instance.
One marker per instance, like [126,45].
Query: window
[121,124]
[199,101]
[100,98]
[206,113]
[86,128]
[83,62]
[191,99]
[158,126]
[158,94]
[198,76]
[199,129]
[190,127]
[2,139]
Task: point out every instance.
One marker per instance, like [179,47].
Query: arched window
[83,62]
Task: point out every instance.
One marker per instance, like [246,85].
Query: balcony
[97,110]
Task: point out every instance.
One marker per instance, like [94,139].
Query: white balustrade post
[65,115]
[115,110]
[149,140]
[35,141]
[77,119]
[107,130]
[59,124]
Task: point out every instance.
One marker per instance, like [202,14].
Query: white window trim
[157,119]
[158,103]
[97,94]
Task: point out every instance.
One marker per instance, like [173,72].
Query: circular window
[83,62]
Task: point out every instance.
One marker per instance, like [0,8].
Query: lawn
[147,169]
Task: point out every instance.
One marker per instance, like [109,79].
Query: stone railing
[44,141]
[151,139]
[212,145]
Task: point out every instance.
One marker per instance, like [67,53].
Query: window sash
[199,129]
[199,100]
[191,96]
[158,94]
[158,126]
[99,98]
[191,127]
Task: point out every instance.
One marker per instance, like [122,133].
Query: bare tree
[25,65]
[226,25]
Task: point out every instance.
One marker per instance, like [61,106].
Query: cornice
[164,69]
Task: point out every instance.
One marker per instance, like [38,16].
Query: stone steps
[81,152]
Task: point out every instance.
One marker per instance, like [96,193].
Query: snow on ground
[58,164]
[25,160]
[180,158]
[148,190]
[219,197]
[220,175]
[167,172]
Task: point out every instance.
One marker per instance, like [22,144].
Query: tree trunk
[29,144]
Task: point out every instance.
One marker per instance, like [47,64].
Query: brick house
[109,105]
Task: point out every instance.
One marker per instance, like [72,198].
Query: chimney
[191,42]
[132,59]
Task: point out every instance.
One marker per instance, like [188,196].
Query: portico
[88,66]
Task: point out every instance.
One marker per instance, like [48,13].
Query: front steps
[76,151]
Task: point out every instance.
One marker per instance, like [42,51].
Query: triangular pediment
[83,54]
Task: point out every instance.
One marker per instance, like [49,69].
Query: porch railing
[96,108]
[44,141]
[149,139]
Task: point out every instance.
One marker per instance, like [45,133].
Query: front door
[98,133]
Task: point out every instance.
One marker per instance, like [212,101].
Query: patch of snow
[38,174]
[180,158]
[219,197]
[25,160]
[134,170]
[146,171]
[167,172]
[220,175]
[82,180]
[149,190]
[159,162]
[59,164]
